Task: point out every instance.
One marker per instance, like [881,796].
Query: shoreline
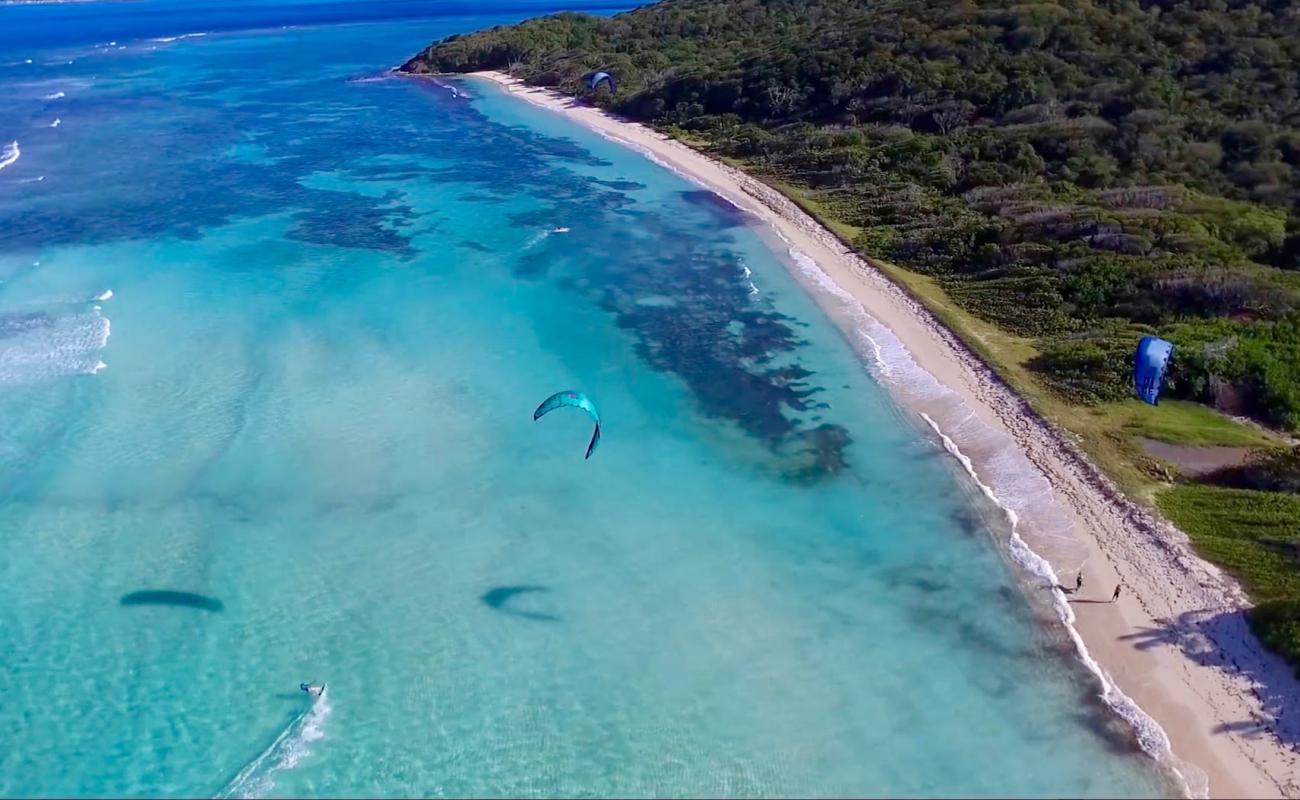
[1174,656]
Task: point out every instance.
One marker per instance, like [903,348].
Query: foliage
[1087,370]
[1246,367]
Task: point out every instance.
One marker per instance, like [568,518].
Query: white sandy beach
[1176,642]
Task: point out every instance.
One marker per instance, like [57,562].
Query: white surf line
[1151,737]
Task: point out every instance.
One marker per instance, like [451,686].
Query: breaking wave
[9,154]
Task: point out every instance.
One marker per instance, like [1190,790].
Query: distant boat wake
[176,38]
[540,235]
[291,746]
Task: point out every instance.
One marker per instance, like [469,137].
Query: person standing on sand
[1078,583]
[1115,596]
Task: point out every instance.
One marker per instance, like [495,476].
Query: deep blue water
[30,28]
[272,328]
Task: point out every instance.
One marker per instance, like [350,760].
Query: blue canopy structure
[595,80]
[1149,365]
[577,400]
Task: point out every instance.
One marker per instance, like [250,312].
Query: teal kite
[578,400]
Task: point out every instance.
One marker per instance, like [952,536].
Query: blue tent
[602,76]
[1149,366]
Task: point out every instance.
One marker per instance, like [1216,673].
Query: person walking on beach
[1115,596]
[1078,583]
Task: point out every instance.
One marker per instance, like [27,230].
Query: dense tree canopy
[1077,172]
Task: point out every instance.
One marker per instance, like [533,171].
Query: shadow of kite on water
[498,597]
[166,597]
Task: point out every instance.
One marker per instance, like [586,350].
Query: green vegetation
[1255,536]
[1052,179]
[1182,423]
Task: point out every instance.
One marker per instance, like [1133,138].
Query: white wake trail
[290,747]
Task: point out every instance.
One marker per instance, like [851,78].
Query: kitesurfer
[1078,582]
[314,691]
[1115,596]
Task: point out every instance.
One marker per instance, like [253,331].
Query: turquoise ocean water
[272,329]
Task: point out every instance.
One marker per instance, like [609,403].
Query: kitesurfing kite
[1149,366]
[602,76]
[578,400]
